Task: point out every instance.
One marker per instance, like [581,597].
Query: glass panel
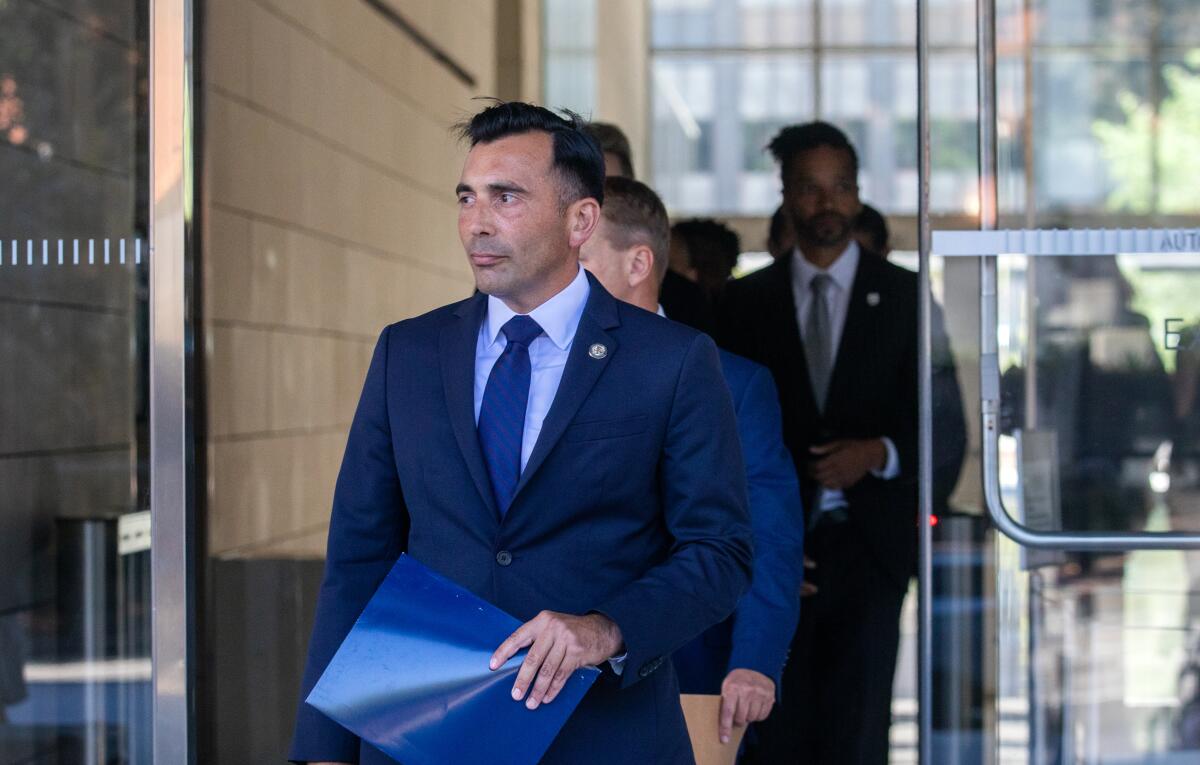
[570,50]
[894,22]
[1066,657]
[865,96]
[730,23]
[74,520]
[1115,106]
[1088,22]
[1075,93]
[1180,23]
[712,118]
[1094,410]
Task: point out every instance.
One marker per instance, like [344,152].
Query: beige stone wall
[328,212]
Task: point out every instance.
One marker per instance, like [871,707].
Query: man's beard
[825,229]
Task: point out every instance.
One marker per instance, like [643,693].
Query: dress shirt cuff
[617,664]
[892,468]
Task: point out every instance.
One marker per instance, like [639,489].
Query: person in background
[683,298]
[871,232]
[780,237]
[837,326]
[742,658]
[618,157]
[705,251]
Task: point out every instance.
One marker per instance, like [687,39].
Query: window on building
[569,51]
[1101,79]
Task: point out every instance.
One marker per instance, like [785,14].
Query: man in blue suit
[741,658]
[566,456]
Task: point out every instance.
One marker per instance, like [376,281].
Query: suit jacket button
[504,557]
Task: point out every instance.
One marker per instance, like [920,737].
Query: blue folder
[412,678]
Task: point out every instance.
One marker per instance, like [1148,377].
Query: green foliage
[1128,145]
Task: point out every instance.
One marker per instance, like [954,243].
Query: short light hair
[636,216]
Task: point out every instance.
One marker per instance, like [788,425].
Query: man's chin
[831,237]
[488,282]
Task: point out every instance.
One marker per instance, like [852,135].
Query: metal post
[170,434]
[925,408]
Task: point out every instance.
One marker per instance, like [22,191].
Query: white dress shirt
[841,273]
[559,318]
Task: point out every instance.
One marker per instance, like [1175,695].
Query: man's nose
[479,220]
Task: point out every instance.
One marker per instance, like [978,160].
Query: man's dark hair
[797,139]
[613,140]
[577,157]
[873,225]
[712,249]
[636,216]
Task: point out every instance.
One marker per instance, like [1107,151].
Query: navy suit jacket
[633,504]
[758,634]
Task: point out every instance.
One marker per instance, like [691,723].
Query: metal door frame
[171,433]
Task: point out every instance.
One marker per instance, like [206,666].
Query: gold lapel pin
[598,351]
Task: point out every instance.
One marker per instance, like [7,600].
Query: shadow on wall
[257,650]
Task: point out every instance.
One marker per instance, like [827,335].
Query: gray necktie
[818,342]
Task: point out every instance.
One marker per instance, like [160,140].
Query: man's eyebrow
[502,187]
[499,187]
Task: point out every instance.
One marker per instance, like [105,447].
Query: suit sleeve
[766,617]
[368,530]
[901,425]
[949,420]
[703,487]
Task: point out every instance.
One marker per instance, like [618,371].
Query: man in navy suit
[566,456]
[741,658]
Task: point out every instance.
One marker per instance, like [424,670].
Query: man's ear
[639,265]
[582,218]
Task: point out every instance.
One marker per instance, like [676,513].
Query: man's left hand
[558,645]
[841,464]
[746,696]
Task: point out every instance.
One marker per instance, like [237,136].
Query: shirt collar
[661,312]
[842,270]
[558,317]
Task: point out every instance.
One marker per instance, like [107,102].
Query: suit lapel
[580,375]
[457,346]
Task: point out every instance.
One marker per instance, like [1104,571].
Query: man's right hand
[746,697]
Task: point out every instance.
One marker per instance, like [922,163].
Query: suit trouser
[837,685]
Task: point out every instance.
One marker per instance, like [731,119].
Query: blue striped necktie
[502,412]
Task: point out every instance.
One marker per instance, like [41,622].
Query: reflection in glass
[74,524]
[1050,656]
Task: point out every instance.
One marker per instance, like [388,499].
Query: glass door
[1066,622]
[1064,570]
[82,350]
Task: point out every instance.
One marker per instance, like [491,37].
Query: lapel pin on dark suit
[872,299]
[598,351]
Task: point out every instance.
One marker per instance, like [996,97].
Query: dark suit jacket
[758,634]
[872,391]
[685,302]
[632,504]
